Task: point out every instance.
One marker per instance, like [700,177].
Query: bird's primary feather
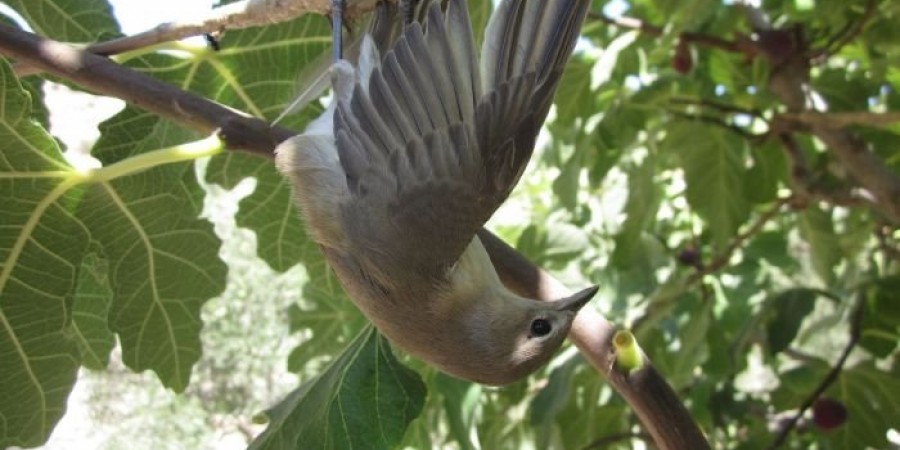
[431,164]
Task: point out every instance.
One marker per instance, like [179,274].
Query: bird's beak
[575,301]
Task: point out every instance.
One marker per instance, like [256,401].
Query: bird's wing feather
[430,164]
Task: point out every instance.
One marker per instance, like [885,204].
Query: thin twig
[233,16]
[723,258]
[627,23]
[799,173]
[839,120]
[719,106]
[743,45]
[841,39]
[830,378]
[752,137]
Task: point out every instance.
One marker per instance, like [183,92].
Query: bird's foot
[337,32]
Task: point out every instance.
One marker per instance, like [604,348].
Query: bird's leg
[337,33]
[408,9]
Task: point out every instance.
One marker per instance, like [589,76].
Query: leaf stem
[209,146]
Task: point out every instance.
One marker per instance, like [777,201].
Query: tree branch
[786,51]
[627,23]
[646,391]
[789,81]
[742,44]
[718,106]
[238,130]
[654,401]
[842,39]
[723,258]
[749,136]
[233,16]
[839,120]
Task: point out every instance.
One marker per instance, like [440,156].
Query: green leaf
[565,186]
[817,229]
[786,312]
[281,238]
[880,326]
[713,165]
[164,262]
[554,244]
[365,399]
[255,71]
[460,401]
[325,311]
[90,310]
[163,258]
[328,315]
[41,248]
[768,171]
[575,84]
[644,196]
[873,406]
[552,400]
[67,20]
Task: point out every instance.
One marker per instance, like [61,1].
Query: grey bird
[416,151]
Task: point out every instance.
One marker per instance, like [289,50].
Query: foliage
[735,249]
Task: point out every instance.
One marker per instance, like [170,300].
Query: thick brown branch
[102,76]
[789,82]
[654,401]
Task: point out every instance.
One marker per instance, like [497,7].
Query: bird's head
[504,337]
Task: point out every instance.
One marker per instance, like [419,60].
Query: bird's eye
[540,327]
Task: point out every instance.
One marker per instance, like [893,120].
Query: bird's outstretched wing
[428,156]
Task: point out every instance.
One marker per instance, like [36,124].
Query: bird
[420,145]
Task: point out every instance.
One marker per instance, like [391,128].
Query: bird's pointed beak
[575,301]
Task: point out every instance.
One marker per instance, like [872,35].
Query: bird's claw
[337,35]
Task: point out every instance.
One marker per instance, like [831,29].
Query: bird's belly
[406,319]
